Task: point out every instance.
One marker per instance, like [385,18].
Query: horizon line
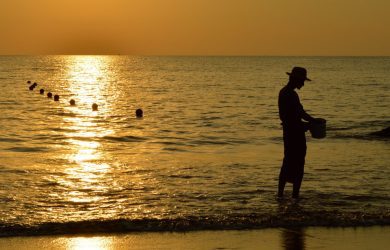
[192,55]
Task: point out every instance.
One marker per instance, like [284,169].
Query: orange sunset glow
[195,27]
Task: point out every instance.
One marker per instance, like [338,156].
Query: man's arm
[307,117]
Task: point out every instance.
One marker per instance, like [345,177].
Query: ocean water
[206,154]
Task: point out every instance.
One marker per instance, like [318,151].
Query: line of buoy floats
[72,102]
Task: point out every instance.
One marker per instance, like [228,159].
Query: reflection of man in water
[291,114]
[293,238]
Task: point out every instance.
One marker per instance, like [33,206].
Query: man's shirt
[290,109]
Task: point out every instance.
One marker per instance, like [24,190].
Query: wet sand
[277,238]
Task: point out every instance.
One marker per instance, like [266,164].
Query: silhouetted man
[291,114]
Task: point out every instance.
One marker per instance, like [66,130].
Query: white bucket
[318,128]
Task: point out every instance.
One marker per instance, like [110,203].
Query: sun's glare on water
[88,80]
[83,127]
[89,243]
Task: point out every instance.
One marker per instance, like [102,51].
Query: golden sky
[195,27]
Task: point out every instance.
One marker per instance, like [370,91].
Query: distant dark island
[382,133]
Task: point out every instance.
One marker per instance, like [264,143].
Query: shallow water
[207,152]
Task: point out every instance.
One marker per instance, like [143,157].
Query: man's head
[298,76]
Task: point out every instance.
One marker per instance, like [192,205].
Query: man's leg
[299,160]
[296,188]
[282,183]
[298,181]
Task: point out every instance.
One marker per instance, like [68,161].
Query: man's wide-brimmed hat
[298,72]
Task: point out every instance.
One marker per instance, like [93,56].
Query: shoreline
[371,237]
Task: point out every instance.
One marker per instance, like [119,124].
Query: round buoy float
[139,113]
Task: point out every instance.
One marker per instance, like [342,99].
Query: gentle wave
[287,218]
[4,139]
[125,138]
[359,125]
[28,149]
[359,136]
[14,171]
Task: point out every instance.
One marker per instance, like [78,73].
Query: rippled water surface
[207,151]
